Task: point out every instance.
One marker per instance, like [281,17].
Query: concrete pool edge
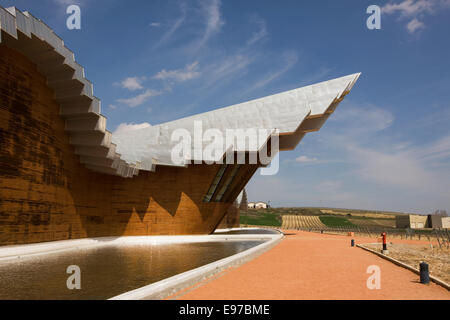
[166,287]
[246,228]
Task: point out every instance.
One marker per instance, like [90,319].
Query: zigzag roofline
[293,113]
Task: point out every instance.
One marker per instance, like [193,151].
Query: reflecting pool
[109,270]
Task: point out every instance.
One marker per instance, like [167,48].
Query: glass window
[215,183]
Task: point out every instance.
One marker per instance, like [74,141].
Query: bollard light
[424,273]
[385,250]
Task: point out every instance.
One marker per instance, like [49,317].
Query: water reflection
[108,271]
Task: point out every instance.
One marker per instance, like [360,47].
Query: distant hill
[337,211]
[329,216]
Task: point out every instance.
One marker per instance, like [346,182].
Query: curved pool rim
[170,286]
[166,287]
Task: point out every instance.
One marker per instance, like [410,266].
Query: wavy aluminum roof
[294,113]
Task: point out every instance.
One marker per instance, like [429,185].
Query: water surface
[110,270]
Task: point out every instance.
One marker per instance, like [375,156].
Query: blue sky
[386,147]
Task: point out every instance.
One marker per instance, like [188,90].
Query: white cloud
[305,159]
[229,67]
[413,10]
[139,99]
[392,169]
[261,33]
[188,73]
[213,18]
[218,69]
[155,24]
[112,106]
[414,25]
[363,159]
[207,13]
[363,119]
[68,2]
[438,117]
[174,26]
[223,70]
[210,10]
[290,59]
[408,8]
[132,83]
[439,150]
[381,160]
[367,166]
[126,127]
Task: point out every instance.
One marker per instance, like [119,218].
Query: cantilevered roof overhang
[293,113]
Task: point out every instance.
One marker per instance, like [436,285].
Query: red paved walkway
[314,266]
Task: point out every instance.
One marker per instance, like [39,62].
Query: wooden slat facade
[46,194]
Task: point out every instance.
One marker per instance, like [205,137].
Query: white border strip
[169,286]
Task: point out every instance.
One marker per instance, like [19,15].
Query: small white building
[440,222]
[412,221]
[257,205]
[261,205]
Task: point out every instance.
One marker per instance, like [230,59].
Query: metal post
[424,273]
[385,250]
[353,242]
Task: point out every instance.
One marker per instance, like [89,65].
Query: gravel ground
[308,265]
[438,259]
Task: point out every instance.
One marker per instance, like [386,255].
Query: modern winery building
[63,175]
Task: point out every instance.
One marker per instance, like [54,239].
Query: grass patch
[332,222]
[261,219]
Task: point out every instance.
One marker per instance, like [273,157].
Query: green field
[259,218]
[294,211]
[332,222]
[329,216]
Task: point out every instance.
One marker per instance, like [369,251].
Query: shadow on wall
[47,194]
